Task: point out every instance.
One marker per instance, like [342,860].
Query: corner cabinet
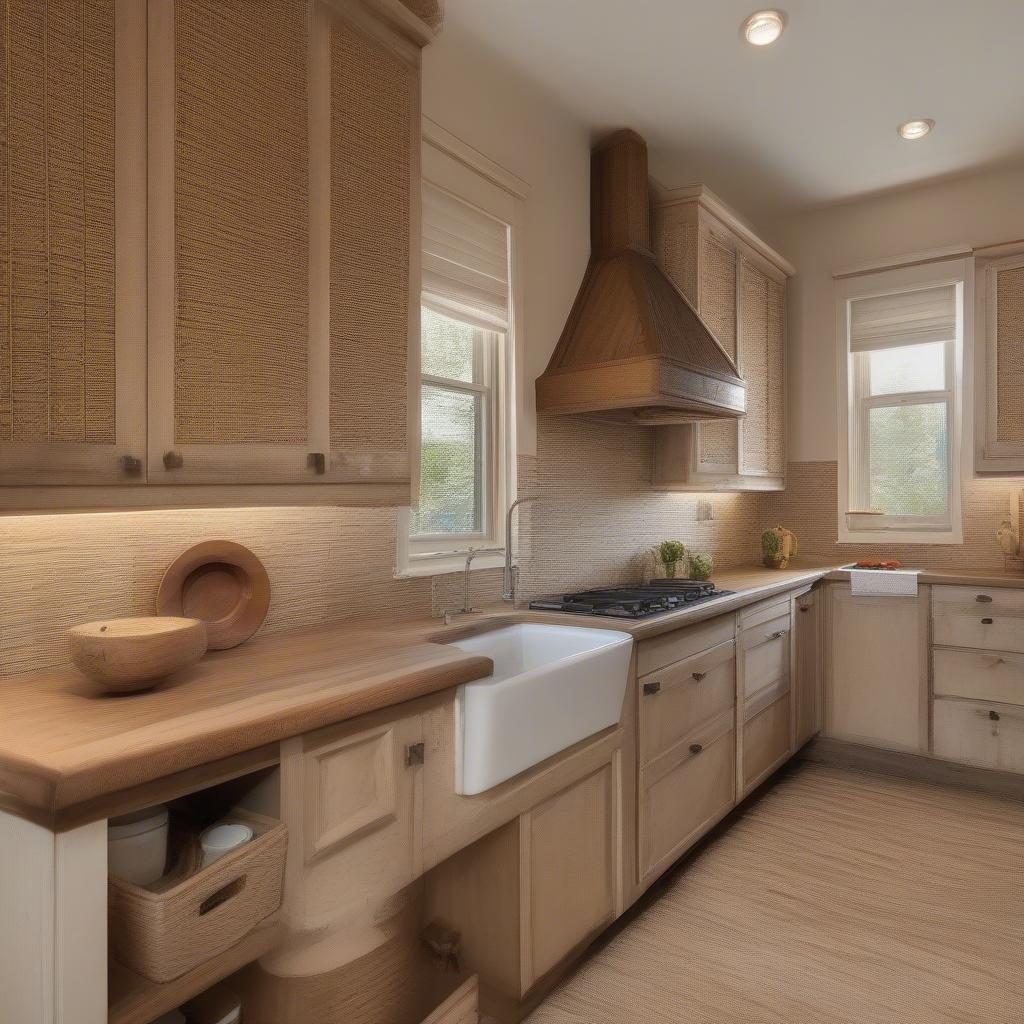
[738,286]
[258,347]
[999,429]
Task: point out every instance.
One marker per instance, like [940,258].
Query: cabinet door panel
[985,735]
[229,250]
[373,314]
[876,681]
[766,741]
[72,216]
[683,793]
[573,865]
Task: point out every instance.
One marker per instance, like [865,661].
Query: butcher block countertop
[68,757]
[65,752]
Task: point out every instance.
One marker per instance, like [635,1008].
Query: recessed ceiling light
[764,27]
[916,129]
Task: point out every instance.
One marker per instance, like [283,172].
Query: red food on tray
[878,563]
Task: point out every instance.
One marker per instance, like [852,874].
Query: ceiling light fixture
[764,27]
[916,129]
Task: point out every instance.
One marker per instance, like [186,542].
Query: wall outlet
[705,510]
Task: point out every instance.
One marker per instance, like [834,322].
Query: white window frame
[855,403]
[453,166]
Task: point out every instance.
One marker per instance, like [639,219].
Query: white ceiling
[807,121]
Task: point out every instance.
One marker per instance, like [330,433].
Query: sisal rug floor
[840,897]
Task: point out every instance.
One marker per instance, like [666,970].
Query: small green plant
[671,552]
[700,567]
[771,543]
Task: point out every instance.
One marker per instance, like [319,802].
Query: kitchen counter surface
[65,754]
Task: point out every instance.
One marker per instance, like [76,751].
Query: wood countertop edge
[48,793]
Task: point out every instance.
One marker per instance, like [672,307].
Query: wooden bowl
[223,584]
[122,655]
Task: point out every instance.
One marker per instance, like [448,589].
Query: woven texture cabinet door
[59,358]
[229,259]
[761,364]
[373,131]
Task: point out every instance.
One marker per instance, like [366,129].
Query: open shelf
[133,999]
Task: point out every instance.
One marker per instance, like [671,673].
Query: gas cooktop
[655,598]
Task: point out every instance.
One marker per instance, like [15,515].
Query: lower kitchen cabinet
[767,737]
[529,894]
[685,792]
[807,665]
[877,669]
[987,735]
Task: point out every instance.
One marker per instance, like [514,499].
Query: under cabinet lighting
[916,129]
[763,27]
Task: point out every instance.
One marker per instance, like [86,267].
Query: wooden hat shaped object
[221,583]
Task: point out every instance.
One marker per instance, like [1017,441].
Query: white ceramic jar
[220,839]
[137,845]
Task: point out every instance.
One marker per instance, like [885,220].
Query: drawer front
[756,614]
[766,741]
[680,698]
[986,735]
[680,644]
[683,794]
[989,620]
[979,675]
[766,656]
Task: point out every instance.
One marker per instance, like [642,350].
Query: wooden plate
[221,583]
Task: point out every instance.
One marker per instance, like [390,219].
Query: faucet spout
[511,577]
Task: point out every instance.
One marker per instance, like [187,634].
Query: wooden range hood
[633,349]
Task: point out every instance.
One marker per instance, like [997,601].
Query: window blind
[903,318]
[465,261]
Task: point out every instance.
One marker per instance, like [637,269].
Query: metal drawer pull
[987,622]
[651,688]
[414,755]
[984,599]
[696,748]
[776,636]
[698,676]
[317,462]
[173,460]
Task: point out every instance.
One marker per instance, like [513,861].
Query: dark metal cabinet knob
[317,462]
[984,599]
[698,676]
[696,748]
[414,755]
[131,465]
[987,622]
[651,688]
[173,460]
[994,716]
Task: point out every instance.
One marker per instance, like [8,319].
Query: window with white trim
[465,378]
[902,338]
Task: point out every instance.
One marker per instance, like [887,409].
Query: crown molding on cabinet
[726,214]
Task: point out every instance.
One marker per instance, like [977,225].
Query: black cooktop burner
[633,602]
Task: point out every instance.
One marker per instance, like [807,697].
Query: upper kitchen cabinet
[738,286]
[72,243]
[283,154]
[999,281]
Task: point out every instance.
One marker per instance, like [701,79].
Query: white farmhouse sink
[552,686]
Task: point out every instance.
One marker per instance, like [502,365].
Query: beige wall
[484,103]
[979,210]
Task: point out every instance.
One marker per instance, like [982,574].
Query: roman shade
[903,318]
[465,261]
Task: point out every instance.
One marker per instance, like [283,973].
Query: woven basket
[189,917]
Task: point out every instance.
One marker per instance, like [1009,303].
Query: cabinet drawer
[766,654]
[763,611]
[680,698]
[766,741]
[671,647]
[990,620]
[987,735]
[979,675]
[684,793]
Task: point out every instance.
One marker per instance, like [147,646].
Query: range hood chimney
[633,349]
